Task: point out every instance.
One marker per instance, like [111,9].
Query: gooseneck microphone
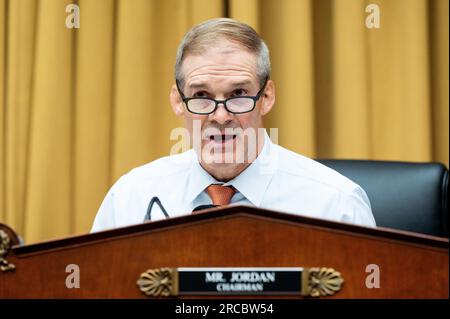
[148,215]
[202,207]
[155,200]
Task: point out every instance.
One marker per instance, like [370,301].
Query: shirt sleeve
[356,208]
[105,215]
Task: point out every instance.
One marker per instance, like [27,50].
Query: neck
[224,173]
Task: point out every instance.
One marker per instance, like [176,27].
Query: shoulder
[160,169]
[307,169]
[349,200]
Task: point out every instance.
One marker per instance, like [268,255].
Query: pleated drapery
[81,107]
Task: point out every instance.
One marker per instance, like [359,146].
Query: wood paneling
[411,265]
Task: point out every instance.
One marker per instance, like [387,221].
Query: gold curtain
[80,107]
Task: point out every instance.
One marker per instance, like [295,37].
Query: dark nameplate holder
[312,282]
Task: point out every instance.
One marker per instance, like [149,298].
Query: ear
[268,100]
[175,101]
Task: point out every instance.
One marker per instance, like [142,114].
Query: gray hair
[208,32]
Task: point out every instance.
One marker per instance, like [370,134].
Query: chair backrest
[403,195]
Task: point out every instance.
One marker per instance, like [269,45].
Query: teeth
[219,138]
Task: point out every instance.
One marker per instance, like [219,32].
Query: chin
[223,159]
[224,172]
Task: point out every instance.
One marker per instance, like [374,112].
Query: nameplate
[312,282]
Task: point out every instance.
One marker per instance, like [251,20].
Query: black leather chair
[403,195]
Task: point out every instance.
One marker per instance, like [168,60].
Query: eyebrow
[205,85]
[197,85]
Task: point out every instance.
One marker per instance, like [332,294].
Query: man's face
[227,142]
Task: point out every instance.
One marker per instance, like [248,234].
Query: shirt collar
[199,179]
[252,182]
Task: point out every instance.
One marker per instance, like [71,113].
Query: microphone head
[202,207]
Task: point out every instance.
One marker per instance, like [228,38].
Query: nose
[221,115]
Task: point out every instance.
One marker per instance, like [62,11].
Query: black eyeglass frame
[224,102]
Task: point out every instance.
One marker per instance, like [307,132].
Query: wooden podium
[111,262]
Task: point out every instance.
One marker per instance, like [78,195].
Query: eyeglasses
[235,104]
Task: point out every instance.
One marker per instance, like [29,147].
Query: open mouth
[222,138]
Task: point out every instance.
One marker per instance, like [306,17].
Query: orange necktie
[220,195]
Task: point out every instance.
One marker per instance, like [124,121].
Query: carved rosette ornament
[5,246]
[158,282]
[324,282]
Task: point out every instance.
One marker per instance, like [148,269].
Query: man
[222,91]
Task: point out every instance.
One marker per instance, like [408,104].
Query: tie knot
[220,195]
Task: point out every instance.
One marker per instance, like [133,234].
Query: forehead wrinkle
[205,83]
[202,83]
[200,70]
[208,75]
[218,67]
[214,69]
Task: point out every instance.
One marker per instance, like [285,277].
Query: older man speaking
[223,90]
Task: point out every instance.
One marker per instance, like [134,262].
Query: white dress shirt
[278,179]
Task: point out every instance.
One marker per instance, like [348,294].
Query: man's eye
[200,94]
[239,92]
